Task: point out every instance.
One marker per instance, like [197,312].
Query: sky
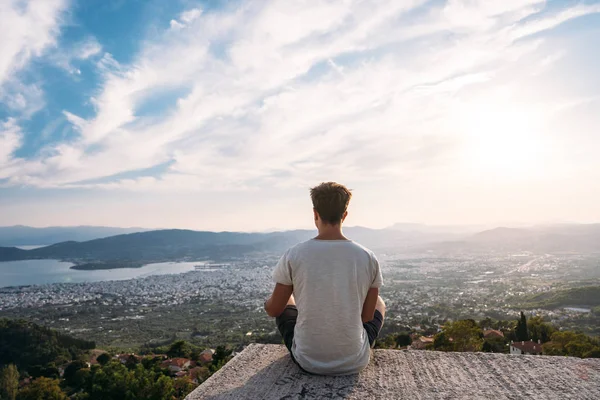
[220,115]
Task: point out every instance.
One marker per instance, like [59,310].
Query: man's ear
[316,214]
[344,215]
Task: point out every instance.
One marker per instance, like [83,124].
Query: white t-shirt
[331,279]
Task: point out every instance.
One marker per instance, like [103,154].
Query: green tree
[486,323]
[162,389]
[572,344]
[496,345]
[466,335]
[403,339]
[42,389]
[552,349]
[463,335]
[594,353]
[200,374]
[32,347]
[195,354]
[539,330]
[441,342]
[131,362]
[183,386]
[71,370]
[521,330]
[180,348]
[103,358]
[387,342]
[221,356]
[80,378]
[149,362]
[9,382]
[486,347]
[114,381]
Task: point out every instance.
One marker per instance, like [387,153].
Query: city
[422,292]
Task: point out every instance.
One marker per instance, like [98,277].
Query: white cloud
[68,56]
[185,18]
[88,48]
[10,140]
[27,29]
[190,15]
[543,24]
[275,92]
[22,99]
[176,24]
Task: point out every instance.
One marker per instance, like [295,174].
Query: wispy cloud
[27,30]
[10,140]
[65,58]
[186,18]
[273,93]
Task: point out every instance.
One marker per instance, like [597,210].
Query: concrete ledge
[267,372]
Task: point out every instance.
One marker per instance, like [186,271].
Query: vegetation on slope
[468,336]
[37,349]
[39,363]
[580,296]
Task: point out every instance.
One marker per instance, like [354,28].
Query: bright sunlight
[504,141]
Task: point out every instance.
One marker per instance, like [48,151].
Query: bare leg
[291,301]
[380,307]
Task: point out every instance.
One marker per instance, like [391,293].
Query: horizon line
[484,226]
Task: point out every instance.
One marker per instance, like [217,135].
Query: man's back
[330,280]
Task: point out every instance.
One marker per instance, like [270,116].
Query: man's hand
[275,305]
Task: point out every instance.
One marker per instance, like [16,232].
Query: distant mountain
[159,245]
[503,236]
[20,235]
[12,253]
[448,229]
[176,244]
[584,238]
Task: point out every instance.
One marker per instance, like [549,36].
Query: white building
[528,347]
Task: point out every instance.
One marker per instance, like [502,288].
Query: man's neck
[331,232]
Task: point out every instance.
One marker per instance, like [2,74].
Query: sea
[39,272]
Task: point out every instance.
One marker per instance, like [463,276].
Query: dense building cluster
[422,292]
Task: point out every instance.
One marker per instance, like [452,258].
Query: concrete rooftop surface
[267,372]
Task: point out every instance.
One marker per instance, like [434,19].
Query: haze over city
[220,115]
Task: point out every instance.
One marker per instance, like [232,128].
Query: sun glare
[503,142]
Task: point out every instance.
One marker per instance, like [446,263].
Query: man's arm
[368,311]
[275,305]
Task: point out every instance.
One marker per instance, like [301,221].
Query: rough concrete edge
[232,364]
[223,370]
[491,355]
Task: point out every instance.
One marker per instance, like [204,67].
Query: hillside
[175,244]
[581,296]
[12,253]
[32,347]
[580,238]
[159,245]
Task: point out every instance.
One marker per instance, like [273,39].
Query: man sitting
[326,297]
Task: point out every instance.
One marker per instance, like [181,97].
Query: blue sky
[221,114]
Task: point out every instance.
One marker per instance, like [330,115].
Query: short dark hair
[330,200]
